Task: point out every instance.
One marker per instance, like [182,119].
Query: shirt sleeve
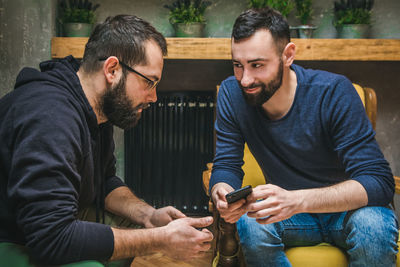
[44,184]
[354,141]
[230,143]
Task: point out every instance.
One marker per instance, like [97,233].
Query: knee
[252,234]
[372,229]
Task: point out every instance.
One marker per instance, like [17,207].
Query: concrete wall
[26,28]
[222,13]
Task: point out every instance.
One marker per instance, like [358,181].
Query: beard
[118,108]
[267,90]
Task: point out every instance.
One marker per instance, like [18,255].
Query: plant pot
[353,31]
[77,29]
[189,30]
[304,31]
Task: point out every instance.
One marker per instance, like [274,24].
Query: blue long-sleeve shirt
[325,138]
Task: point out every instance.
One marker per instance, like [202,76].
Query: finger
[205,246]
[200,222]
[221,205]
[263,213]
[232,218]
[205,230]
[207,237]
[175,213]
[268,220]
[236,205]
[260,192]
[263,204]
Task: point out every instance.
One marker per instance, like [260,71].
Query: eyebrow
[252,60]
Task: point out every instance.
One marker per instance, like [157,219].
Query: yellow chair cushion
[321,255]
[252,172]
[317,256]
[360,92]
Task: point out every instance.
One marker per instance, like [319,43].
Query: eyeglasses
[150,83]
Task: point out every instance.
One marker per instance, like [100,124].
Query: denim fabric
[368,235]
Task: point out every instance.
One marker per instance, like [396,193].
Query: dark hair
[267,18]
[122,36]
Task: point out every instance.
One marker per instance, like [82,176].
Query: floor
[158,260]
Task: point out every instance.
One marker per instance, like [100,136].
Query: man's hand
[231,213]
[183,241]
[163,216]
[277,204]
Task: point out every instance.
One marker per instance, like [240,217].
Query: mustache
[143,106]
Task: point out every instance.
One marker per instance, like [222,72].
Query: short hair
[123,36]
[267,18]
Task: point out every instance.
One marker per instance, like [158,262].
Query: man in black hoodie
[57,154]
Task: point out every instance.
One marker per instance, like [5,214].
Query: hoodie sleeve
[44,182]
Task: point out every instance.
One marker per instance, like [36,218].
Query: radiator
[166,153]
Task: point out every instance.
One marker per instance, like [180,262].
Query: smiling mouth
[252,90]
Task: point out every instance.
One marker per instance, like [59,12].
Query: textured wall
[26,28]
[222,13]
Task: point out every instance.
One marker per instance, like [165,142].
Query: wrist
[301,203]
[148,218]
[161,235]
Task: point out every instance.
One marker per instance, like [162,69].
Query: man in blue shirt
[327,178]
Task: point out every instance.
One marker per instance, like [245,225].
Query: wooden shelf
[219,48]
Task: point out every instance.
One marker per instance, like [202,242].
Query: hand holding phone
[238,194]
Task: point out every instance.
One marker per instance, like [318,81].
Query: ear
[288,54]
[111,69]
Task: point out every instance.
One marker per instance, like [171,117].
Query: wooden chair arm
[397,184]
[226,243]
[207,177]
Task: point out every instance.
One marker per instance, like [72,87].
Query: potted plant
[77,17]
[187,17]
[353,18]
[283,6]
[304,14]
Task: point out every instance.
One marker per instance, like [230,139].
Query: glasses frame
[152,84]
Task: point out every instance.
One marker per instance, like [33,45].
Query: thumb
[221,194]
[200,222]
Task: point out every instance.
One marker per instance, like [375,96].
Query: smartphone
[238,194]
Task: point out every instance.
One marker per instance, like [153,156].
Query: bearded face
[118,108]
[267,90]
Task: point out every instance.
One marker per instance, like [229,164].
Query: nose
[247,78]
[152,97]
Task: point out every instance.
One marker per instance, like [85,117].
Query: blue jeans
[368,235]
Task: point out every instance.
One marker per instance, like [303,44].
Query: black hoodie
[54,161]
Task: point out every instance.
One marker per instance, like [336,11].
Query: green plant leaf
[187,11]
